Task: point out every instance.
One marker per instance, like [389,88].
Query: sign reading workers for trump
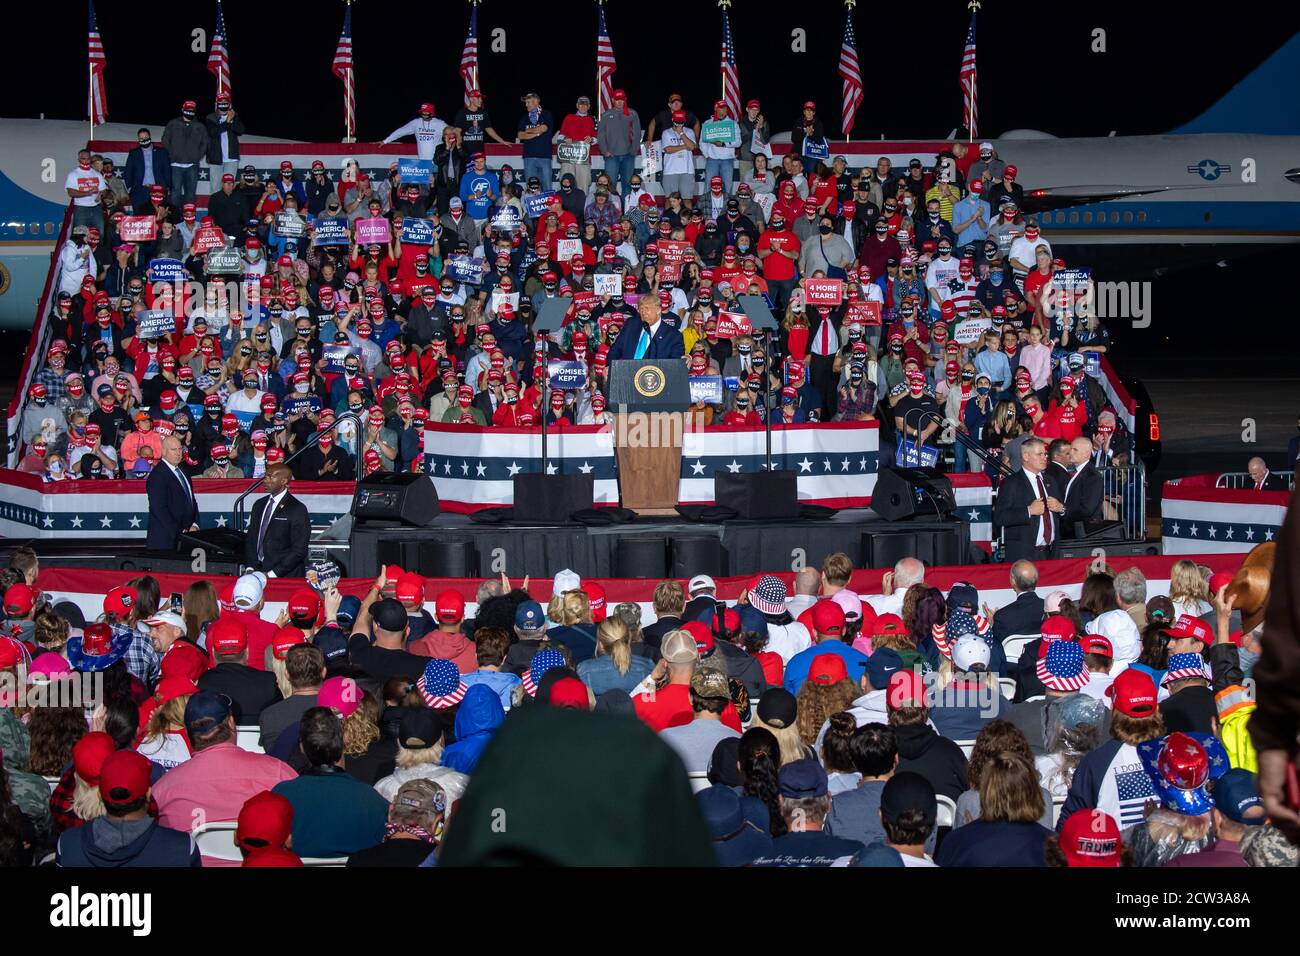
[418,171]
[823,291]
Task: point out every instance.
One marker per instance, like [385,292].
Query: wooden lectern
[649,398]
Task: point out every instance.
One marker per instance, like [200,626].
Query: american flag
[469,55]
[605,65]
[1133,787]
[343,70]
[969,93]
[218,55]
[98,104]
[850,74]
[730,78]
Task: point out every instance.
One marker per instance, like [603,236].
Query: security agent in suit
[172,505]
[1261,479]
[1083,491]
[1029,508]
[279,529]
[651,338]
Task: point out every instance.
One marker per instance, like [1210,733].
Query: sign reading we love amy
[823,291]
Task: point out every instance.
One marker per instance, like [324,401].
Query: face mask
[1248,660]
[896,347]
[981,390]
[825,230]
[146,143]
[995,277]
[934,217]
[56,467]
[300,387]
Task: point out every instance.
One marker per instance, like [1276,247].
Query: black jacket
[1082,501]
[250,690]
[1024,615]
[284,547]
[172,509]
[229,212]
[1011,513]
[937,759]
[233,131]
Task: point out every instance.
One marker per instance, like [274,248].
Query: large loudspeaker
[763,495]
[697,554]
[447,559]
[409,499]
[902,493]
[552,499]
[641,556]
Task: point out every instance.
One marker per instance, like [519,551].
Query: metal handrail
[1242,481]
[237,509]
[969,443]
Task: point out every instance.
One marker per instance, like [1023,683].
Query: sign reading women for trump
[372,231]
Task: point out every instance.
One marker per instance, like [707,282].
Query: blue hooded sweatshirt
[479,716]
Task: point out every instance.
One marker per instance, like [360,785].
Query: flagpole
[90,102]
[725,5]
[599,83]
[349,118]
[973,7]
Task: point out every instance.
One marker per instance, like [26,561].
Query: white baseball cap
[167,617]
[971,649]
[701,582]
[566,580]
[986,147]
[248,590]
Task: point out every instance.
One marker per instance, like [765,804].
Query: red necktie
[1047,515]
[826,336]
[1259,486]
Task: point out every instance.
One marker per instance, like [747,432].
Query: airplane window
[1074,217]
[1087,217]
[1207,217]
[49,228]
[19,228]
[1114,217]
[1142,216]
[1128,217]
[36,228]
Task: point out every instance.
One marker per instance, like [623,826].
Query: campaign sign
[823,291]
[418,171]
[336,355]
[816,149]
[729,324]
[206,239]
[672,253]
[1092,364]
[302,404]
[573,152]
[584,300]
[417,232]
[731,383]
[719,131]
[567,375]
[970,331]
[332,232]
[1071,280]
[500,298]
[706,388]
[863,313]
[224,262]
[566,249]
[536,204]
[166,270]
[507,220]
[290,225]
[610,283]
[649,160]
[154,324]
[765,202]
[138,229]
[465,269]
[915,455]
[372,231]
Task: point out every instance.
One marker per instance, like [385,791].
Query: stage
[456,546]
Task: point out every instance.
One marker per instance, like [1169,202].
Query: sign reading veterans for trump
[567,375]
[417,232]
[418,171]
[290,225]
[154,324]
[372,231]
[609,283]
[536,204]
[706,388]
[823,291]
[166,270]
[138,229]
[465,269]
[569,152]
[224,262]
[332,231]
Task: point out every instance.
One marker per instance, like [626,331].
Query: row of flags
[849,69]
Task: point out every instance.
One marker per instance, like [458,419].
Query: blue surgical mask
[981,389]
[995,277]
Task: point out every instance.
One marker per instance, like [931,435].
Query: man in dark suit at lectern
[279,529]
[172,506]
[651,338]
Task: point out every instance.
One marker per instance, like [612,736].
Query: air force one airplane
[1226,184]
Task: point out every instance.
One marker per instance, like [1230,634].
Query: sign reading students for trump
[418,171]
[138,229]
[417,232]
[823,291]
[372,231]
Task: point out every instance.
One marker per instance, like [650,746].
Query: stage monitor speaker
[447,559]
[886,549]
[902,493]
[409,499]
[697,554]
[641,556]
[763,495]
[552,499]
[403,553]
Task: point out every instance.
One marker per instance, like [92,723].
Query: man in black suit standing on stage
[1082,491]
[279,529]
[172,506]
[651,338]
[1029,508]
[1261,479]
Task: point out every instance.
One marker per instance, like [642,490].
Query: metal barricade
[1242,481]
[1124,498]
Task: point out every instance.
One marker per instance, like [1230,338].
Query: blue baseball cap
[529,616]
[881,665]
[1235,794]
[802,778]
[205,711]
[349,607]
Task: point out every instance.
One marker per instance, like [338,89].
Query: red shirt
[825,189]
[671,707]
[260,635]
[778,268]
[578,127]
[1034,283]
[1069,419]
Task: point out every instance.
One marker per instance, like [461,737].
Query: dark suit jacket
[1082,501]
[1273,482]
[1024,615]
[287,537]
[1011,513]
[171,509]
[250,690]
[666,344]
[162,168]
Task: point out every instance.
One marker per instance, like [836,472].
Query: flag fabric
[605,65]
[219,55]
[98,105]
[730,78]
[969,93]
[343,70]
[851,75]
[469,55]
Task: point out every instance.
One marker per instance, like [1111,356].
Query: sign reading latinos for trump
[536,204]
[372,231]
[862,313]
[607,283]
[418,171]
[567,375]
[207,239]
[332,232]
[166,270]
[706,388]
[336,355]
[138,229]
[569,152]
[417,232]
[566,249]
[154,324]
[465,269]
[823,291]
[970,331]
[719,131]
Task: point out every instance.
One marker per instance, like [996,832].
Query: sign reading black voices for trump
[290,225]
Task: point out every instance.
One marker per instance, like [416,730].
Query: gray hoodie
[619,135]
